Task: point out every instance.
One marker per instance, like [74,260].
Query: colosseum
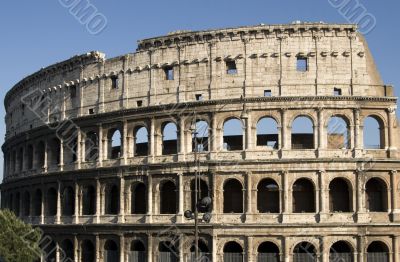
[288,129]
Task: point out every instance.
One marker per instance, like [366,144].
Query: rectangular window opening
[114,82]
[337,91]
[169,73]
[231,68]
[91,111]
[267,93]
[139,103]
[199,97]
[72,91]
[302,64]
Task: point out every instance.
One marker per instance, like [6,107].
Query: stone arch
[340,195]
[88,200]
[87,250]
[341,251]
[233,251]
[203,191]
[373,132]
[67,246]
[376,193]
[267,132]
[304,251]
[68,201]
[168,251]
[268,251]
[268,196]
[302,132]
[233,134]
[169,138]
[115,143]
[202,135]
[111,251]
[233,196]
[303,198]
[138,198]
[378,251]
[141,141]
[111,199]
[338,132]
[51,202]
[137,250]
[168,197]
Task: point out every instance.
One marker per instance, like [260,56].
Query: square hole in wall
[337,91]
[114,82]
[91,111]
[267,93]
[302,64]
[169,72]
[231,68]
[199,97]
[72,91]
[139,103]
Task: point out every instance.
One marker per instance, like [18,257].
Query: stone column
[286,252]
[77,203]
[357,135]
[79,153]
[149,247]
[100,145]
[122,247]
[152,139]
[182,148]
[323,194]
[58,215]
[395,245]
[321,144]
[394,197]
[57,251]
[249,134]
[213,136]
[76,248]
[214,248]
[361,248]
[121,199]
[391,115]
[249,209]
[249,249]
[149,198]
[45,165]
[61,164]
[97,248]
[324,250]
[99,197]
[362,215]
[42,213]
[125,142]
[180,197]
[284,143]
[286,192]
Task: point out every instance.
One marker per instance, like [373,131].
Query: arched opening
[267,133]
[340,196]
[304,252]
[377,251]
[376,194]
[91,147]
[373,133]
[111,253]
[50,249]
[40,154]
[137,251]
[88,254]
[302,133]
[233,196]
[233,252]
[114,144]
[338,133]
[13,162]
[341,251]
[138,199]
[303,196]
[20,159]
[233,135]
[30,157]
[204,252]
[51,201]
[68,202]
[37,203]
[169,139]
[141,142]
[112,200]
[17,203]
[54,152]
[168,252]
[88,200]
[168,198]
[68,250]
[201,140]
[268,196]
[202,191]
[268,252]
[26,207]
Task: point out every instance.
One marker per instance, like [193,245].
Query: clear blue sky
[35,34]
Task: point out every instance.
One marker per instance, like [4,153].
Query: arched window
[112,200]
[341,251]
[373,133]
[137,251]
[202,137]
[304,251]
[37,203]
[233,196]
[68,250]
[68,202]
[202,191]
[168,198]
[377,251]
[303,196]
[340,196]
[114,144]
[338,133]
[376,194]
[91,147]
[268,196]
[51,201]
[138,199]
[268,251]
[50,249]
[54,152]
[40,154]
[233,135]
[141,142]
[267,133]
[204,252]
[168,251]
[233,252]
[170,139]
[302,133]
[87,248]
[30,156]
[111,253]
[88,200]
[26,204]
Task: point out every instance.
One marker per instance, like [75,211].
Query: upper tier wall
[265,58]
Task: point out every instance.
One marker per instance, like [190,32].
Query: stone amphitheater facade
[277,195]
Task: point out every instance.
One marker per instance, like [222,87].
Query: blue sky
[35,34]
